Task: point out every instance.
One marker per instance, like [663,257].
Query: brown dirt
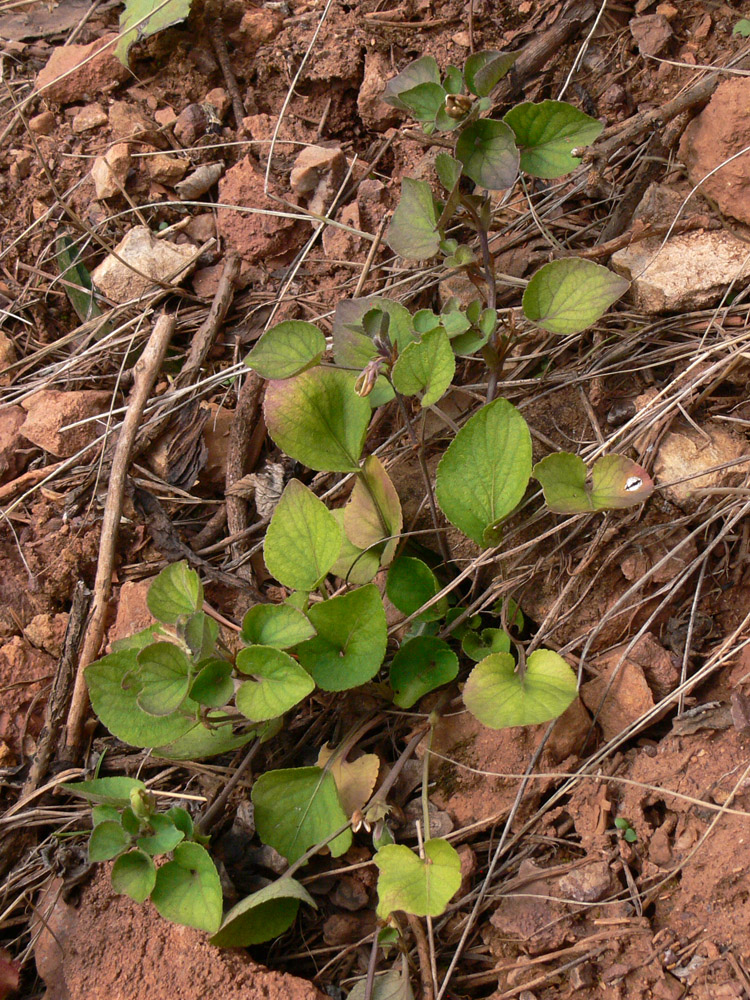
[574,910]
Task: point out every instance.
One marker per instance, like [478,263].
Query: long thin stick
[146,371]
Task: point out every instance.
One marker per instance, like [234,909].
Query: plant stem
[488,267]
[372,966]
[442,542]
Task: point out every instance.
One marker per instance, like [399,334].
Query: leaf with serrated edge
[134,875]
[426,366]
[175,592]
[303,539]
[499,697]
[164,672]
[355,780]
[568,296]
[484,70]
[280,683]
[287,349]
[408,883]
[547,133]
[188,890]
[413,230]
[488,151]
[114,688]
[296,808]
[262,916]
[318,419]
[278,625]
[485,470]
[373,512]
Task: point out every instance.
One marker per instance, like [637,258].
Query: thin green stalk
[442,542]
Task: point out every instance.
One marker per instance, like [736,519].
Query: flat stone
[255,237]
[690,271]
[52,409]
[110,171]
[650,33]
[317,174]
[127,122]
[686,452]
[68,77]
[91,117]
[166,169]
[621,703]
[720,131]
[42,124]
[157,260]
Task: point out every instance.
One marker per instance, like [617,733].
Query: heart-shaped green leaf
[489,640]
[423,70]
[410,584]
[426,366]
[164,673]
[567,296]
[413,230]
[263,916]
[617,482]
[318,419]
[547,133]
[420,666]
[114,688]
[422,887]
[108,839]
[134,875]
[280,683]
[488,151]
[485,470]
[350,645]
[213,686]
[303,539]
[278,625]
[423,101]
[448,169]
[484,70]
[164,838]
[176,591]
[373,513]
[287,349]
[500,697]
[296,808]
[353,346]
[188,890]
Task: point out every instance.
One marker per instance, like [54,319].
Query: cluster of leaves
[178,688]
[128,828]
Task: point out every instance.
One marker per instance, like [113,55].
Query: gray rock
[156,260]
[691,271]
